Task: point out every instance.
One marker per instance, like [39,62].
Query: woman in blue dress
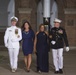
[27,43]
[41,49]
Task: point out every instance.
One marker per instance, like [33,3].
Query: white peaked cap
[14,18]
[57,20]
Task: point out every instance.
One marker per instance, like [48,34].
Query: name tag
[10,30]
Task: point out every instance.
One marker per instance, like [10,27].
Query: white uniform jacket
[12,37]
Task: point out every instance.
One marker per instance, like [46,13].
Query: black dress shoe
[56,72]
[60,71]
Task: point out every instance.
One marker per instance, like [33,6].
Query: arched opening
[39,14]
[7,9]
[3,13]
[53,9]
[11,10]
[54,13]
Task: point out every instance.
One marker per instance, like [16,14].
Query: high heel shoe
[28,70]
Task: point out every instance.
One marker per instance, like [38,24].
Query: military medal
[16,32]
[60,31]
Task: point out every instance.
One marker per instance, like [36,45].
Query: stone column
[46,14]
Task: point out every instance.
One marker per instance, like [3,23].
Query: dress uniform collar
[57,27]
[13,27]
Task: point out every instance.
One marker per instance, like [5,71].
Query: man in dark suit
[58,38]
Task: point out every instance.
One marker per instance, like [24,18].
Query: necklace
[26,32]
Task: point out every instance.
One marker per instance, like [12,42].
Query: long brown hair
[23,28]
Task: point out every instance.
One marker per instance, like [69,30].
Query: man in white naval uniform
[58,38]
[11,40]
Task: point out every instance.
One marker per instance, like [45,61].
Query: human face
[56,24]
[13,23]
[26,26]
[42,28]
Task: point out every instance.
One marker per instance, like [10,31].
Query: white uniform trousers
[13,56]
[58,58]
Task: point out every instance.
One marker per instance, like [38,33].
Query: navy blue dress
[28,42]
[42,52]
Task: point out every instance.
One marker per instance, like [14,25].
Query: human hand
[50,36]
[67,49]
[18,36]
[53,42]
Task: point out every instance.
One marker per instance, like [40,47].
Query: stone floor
[69,64]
